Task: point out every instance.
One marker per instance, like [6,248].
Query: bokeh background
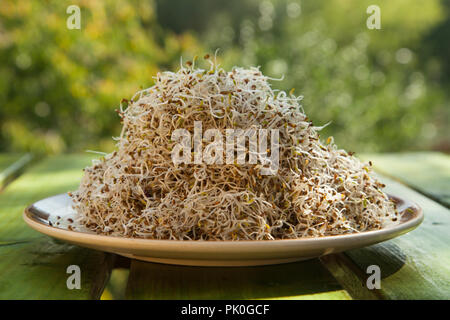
[382,90]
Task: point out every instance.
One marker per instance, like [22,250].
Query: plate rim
[223,245]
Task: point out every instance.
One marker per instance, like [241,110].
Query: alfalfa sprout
[137,190]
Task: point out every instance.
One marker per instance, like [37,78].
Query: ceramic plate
[52,216]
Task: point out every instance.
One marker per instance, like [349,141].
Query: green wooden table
[413,266]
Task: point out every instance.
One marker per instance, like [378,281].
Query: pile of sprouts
[137,191]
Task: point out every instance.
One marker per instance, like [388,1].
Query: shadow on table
[160,281]
[388,256]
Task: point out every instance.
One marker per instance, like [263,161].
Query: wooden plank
[300,280]
[413,266]
[11,165]
[426,172]
[117,284]
[350,276]
[34,266]
[37,270]
[49,177]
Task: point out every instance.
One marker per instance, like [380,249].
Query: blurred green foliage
[382,90]
[59,87]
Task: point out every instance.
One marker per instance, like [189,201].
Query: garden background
[382,90]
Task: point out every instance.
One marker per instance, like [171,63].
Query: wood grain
[413,266]
[34,266]
[11,165]
[300,280]
[37,270]
[49,177]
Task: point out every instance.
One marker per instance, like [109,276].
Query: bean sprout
[137,190]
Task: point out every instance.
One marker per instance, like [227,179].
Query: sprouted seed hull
[138,191]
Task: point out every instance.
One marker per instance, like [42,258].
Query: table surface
[413,266]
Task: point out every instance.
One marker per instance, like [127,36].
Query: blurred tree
[369,83]
[382,90]
[435,48]
[59,87]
